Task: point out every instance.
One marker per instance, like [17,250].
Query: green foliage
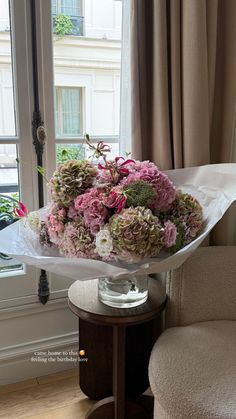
[42,172]
[63,25]
[6,205]
[70,152]
[139,194]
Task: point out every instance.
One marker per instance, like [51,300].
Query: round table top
[84,302]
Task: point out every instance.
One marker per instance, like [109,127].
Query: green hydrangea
[139,193]
[186,213]
[136,234]
[71,179]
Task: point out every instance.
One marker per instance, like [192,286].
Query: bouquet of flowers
[117,210]
[119,217]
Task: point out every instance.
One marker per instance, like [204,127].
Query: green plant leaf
[63,25]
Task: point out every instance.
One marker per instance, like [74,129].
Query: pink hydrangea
[149,172]
[90,206]
[77,241]
[55,223]
[170,233]
[72,213]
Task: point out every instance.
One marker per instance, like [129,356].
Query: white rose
[104,244]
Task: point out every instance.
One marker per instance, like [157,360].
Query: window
[79,92]
[15,123]
[67,7]
[9,181]
[72,9]
[87,78]
[68,111]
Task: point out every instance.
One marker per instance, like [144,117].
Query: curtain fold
[183,85]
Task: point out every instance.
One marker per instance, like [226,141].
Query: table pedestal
[133,410]
[95,376]
[118,407]
[121,348]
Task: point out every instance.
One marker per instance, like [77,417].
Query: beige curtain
[183,85]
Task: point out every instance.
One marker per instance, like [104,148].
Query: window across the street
[68,110]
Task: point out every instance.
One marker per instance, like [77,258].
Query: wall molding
[32,308]
[26,350]
[29,328]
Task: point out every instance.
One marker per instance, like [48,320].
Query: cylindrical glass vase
[124,292]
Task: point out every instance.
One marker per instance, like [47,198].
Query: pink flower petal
[19,213]
[23,207]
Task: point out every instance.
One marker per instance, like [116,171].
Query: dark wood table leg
[119,371]
[117,407]
[96,375]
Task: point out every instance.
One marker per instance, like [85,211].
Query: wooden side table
[84,303]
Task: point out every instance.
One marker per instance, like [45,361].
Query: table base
[96,375]
[141,408]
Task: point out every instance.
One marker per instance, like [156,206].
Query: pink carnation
[163,186]
[170,234]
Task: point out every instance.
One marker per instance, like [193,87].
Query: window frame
[23,103]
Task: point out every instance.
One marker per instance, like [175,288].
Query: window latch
[41,134]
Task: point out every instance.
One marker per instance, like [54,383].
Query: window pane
[71,7]
[9,265]
[88,64]
[9,182]
[68,111]
[9,188]
[69,152]
[54,7]
[81,151]
[7,111]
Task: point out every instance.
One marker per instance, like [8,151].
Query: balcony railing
[78,25]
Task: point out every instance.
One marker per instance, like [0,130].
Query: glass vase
[124,292]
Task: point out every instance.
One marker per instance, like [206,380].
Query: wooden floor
[56,396]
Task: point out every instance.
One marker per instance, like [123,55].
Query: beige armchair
[192,368]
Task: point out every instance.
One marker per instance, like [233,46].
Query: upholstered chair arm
[203,288]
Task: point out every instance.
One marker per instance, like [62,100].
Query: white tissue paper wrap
[213,185]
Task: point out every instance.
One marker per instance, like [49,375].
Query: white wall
[102,18]
[94,66]
[4,15]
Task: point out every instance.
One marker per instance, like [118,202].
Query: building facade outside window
[68,111]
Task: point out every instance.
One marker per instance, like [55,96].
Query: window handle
[41,134]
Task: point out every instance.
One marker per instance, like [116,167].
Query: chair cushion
[192,371]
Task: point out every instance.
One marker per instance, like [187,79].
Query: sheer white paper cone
[215,188]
